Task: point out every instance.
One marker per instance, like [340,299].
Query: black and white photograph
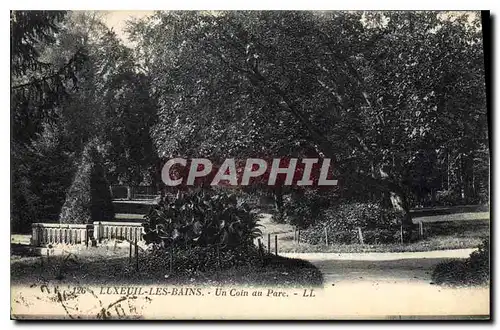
[250,164]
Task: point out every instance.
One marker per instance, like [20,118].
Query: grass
[129,217]
[442,231]
[431,244]
[20,239]
[440,210]
[438,236]
[101,266]
[469,216]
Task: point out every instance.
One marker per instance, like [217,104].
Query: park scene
[396,101]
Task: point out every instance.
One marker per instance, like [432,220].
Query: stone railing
[130,231]
[44,234]
[54,233]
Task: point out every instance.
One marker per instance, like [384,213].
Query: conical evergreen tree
[88,198]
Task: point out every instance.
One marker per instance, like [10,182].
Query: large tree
[370,90]
[73,82]
[40,163]
[89,197]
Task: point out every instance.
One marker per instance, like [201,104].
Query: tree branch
[58,73]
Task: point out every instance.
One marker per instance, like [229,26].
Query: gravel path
[382,256]
[375,267]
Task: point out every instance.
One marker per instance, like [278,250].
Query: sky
[116,19]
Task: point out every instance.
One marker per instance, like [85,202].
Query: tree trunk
[447,170]
[280,100]
[400,204]
[278,200]
[468,174]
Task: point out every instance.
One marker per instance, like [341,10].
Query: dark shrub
[474,270]
[303,209]
[41,174]
[278,217]
[481,257]
[365,215]
[316,235]
[89,198]
[450,272]
[101,199]
[202,219]
[448,197]
[381,236]
[378,225]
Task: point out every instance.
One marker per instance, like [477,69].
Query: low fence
[356,235]
[130,231]
[56,233]
[395,234]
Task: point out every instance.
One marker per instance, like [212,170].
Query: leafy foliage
[339,83]
[72,81]
[38,85]
[364,215]
[28,29]
[41,175]
[304,209]
[474,270]
[480,259]
[396,99]
[379,225]
[202,219]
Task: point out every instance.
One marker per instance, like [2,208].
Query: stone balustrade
[130,231]
[44,234]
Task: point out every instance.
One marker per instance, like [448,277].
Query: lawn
[444,235]
[468,216]
[429,244]
[129,217]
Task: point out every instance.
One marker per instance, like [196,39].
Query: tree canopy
[396,99]
[381,93]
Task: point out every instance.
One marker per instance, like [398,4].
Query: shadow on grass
[464,228]
[89,269]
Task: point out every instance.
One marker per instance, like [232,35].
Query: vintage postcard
[250,165]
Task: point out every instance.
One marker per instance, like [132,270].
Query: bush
[382,236]
[448,197]
[316,235]
[474,270]
[379,225]
[89,198]
[41,175]
[278,217]
[364,215]
[480,259]
[304,209]
[202,219]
